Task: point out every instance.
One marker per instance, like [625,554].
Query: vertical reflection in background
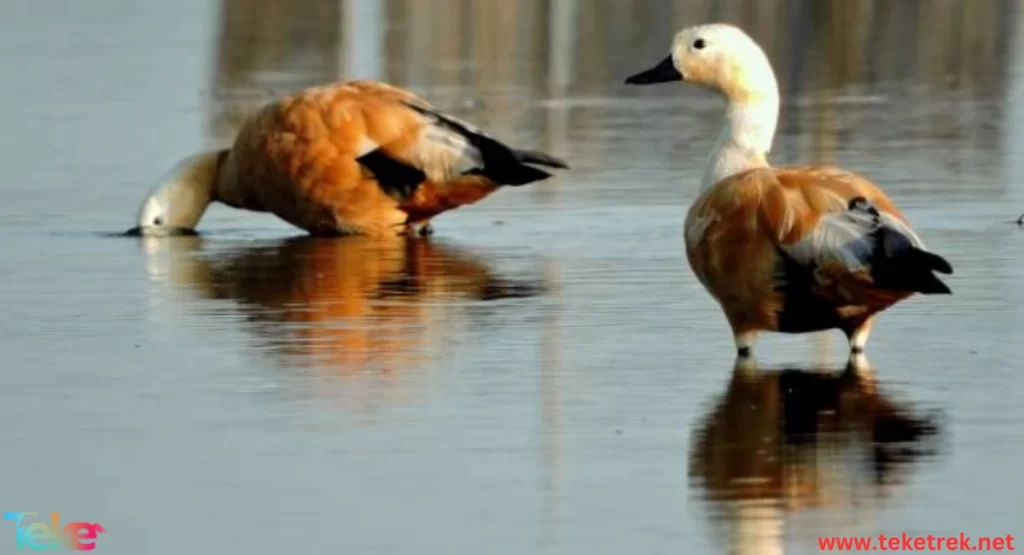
[268,47]
[523,42]
[363,24]
[459,52]
[562,52]
[551,419]
[1014,134]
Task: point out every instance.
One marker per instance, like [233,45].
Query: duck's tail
[912,269]
[516,171]
[540,159]
[915,269]
[899,261]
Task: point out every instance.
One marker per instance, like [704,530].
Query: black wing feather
[395,177]
[501,163]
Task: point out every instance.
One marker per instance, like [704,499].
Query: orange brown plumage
[359,157]
[744,242]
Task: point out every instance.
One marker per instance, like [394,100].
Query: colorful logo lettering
[77,536]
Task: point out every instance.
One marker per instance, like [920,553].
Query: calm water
[546,375]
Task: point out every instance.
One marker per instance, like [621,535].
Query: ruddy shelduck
[359,157]
[789,250]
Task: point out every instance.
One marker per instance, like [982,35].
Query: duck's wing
[839,234]
[408,141]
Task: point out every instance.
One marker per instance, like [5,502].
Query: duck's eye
[699,44]
[158,221]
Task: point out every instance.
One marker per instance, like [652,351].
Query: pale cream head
[724,58]
[181,197]
[718,56]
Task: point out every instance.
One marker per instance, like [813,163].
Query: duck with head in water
[351,158]
[795,249]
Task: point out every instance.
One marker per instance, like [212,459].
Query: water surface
[545,375]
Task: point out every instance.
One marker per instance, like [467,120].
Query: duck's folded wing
[409,142]
[845,246]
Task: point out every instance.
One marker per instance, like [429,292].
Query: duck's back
[365,157]
[297,157]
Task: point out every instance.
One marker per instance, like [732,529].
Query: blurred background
[545,375]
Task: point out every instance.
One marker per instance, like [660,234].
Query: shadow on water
[786,441]
[350,303]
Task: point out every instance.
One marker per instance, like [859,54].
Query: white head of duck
[726,60]
[181,197]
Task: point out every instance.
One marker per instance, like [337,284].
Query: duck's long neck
[745,139]
[182,195]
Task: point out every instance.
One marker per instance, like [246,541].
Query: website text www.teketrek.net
[906,542]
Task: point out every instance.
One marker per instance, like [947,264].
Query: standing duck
[360,157]
[789,250]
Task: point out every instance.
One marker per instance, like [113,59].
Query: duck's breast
[731,255]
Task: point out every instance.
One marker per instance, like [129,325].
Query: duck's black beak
[153,231]
[664,72]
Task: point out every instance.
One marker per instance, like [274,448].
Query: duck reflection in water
[350,304]
[818,444]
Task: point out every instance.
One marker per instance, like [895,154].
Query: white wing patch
[366,146]
[893,223]
[847,237]
[458,154]
[442,152]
